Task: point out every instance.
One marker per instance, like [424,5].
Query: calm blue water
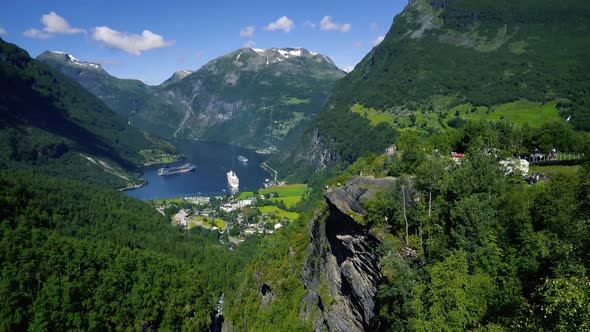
[213,161]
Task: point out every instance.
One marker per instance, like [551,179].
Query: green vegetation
[442,54]
[289,201]
[488,247]
[520,112]
[287,190]
[555,170]
[288,195]
[124,96]
[77,257]
[273,210]
[373,115]
[482,251]
[278,264]
[155,156]
[245,194]
[207,222]
[178,200]
[48,123]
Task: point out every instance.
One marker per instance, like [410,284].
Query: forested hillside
[51,123]
[466,59]
[459,245]
[124,96]
[77,257]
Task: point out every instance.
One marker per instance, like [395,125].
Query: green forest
[79,257]
[463,246]
[404,210]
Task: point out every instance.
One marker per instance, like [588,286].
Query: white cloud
[378,40]
[309,24]
[130,43]
[326,24]
[54,24]
[284,23]
[3,31]
[249,44]
[57,24]
[37,34]
[247,32]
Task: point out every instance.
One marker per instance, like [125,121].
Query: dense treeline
[483,250]
[440,54]
[473,248]
[525,49]
[75,256]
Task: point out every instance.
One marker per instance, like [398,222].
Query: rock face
[342,270]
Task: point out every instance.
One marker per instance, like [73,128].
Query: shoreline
[270,170]
[182,157]
[136,186]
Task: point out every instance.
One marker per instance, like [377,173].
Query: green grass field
[287,190]
[279,212]
[207,222]
[245,194]
[289,201]
[553,170]
[518,112]
[372,114]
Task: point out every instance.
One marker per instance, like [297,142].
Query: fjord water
[213,161]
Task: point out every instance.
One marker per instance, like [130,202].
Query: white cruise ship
[232,179]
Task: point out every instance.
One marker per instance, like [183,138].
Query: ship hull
[176,170]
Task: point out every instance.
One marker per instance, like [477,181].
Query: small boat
[242,159]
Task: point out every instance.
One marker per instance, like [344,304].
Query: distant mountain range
[124,96]
[51,123]
[249,97]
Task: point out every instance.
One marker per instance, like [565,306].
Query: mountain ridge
[441,54]
[52,123]
[249,97]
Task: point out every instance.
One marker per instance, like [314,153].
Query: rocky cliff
[342,269]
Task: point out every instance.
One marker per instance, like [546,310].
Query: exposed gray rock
[342,269]
[320,154]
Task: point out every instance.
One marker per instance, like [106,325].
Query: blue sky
[186,34]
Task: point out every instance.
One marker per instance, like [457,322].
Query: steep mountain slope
[478,54]
[248,97]
[80,257]
[176,77]
[122,95]
[51,123]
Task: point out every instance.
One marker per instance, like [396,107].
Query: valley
[443,184]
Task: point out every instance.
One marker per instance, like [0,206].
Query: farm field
[279,212]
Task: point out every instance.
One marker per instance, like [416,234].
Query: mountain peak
[177,76]
[68,58]
[280,54]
